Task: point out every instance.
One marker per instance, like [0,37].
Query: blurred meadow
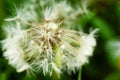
[105,62]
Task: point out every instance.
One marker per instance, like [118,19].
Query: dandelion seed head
[47,45]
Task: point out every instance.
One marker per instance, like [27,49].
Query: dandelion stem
[79,74]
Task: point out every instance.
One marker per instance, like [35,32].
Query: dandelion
[46,45]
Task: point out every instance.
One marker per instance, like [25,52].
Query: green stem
[55,76]
[79,74]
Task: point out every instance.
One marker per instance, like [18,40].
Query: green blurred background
[104,64]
